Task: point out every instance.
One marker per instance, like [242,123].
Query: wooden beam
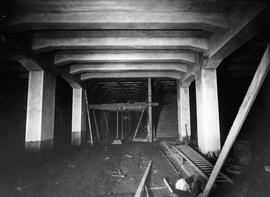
[44,42]
[173,75]
[122,106]
[117,125]
[124,56]
[27,20]
[140,189]
[88,118]
[138,125]
[244,109]
[115,67]
[245,21]
[97,130]
[150,121]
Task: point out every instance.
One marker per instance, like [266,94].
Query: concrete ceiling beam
[127,5]
[100,75]
[124,56]
[114,67]
[27,21]
[44,42]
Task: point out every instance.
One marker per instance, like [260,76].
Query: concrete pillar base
[78,118]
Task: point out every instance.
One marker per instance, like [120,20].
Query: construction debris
[168,185]
[117,142]
[20,188]
[267,168]
[118,174]
[182,185]
[139,192]
[171,164]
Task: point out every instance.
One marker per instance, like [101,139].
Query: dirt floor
[90,171]
[87,171]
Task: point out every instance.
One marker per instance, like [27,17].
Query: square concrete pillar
[78,117]
[207,112]
[40,111]
[183,110]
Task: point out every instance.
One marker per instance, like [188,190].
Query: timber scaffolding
[138,106]
[117,107]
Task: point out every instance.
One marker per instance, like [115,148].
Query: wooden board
[139,192]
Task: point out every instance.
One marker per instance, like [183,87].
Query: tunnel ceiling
[126,42]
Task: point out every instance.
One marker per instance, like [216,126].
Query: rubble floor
[88,171]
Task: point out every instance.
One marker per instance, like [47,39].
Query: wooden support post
[95,119]
[139,192]
[122,124]
[117,126]
[244,109]
[137,128]
[106,116]
[150,126]
[89,118]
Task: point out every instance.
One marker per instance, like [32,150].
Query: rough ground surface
[87,171]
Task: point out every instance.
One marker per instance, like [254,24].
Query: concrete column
[183,111]
[78,117]
[207,112]
[150,124]
[40,111]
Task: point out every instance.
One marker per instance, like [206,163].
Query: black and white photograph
[134,98]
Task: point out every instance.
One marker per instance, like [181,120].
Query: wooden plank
[117,125]
[122,106]
[168,185]
[150,121]
[106,116]
[131,74]
[171,164]
[138,125]
[244,109]
[89,118]
[96,125]
[122,125]
[211,165]
[146,191]
[115,67]
[139,192]
[191,163]
[124,56]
